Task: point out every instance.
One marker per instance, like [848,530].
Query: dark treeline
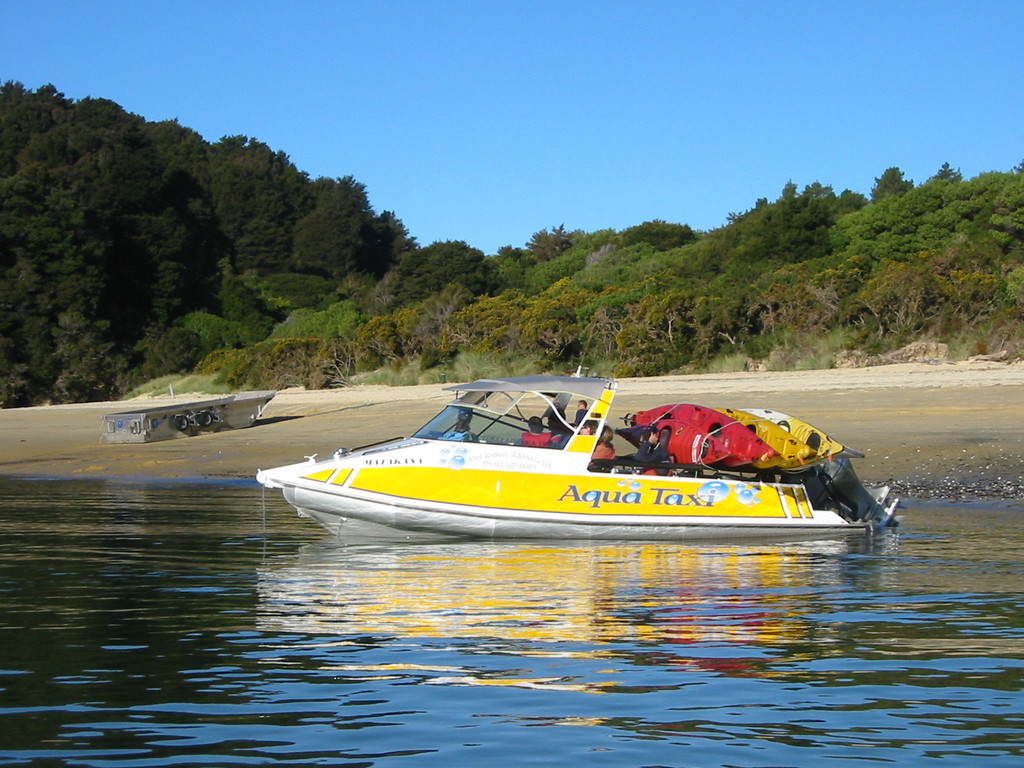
[130,250]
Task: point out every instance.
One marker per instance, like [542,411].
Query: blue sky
[487,121]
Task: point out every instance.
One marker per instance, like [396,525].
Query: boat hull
[477,498]
[504,525]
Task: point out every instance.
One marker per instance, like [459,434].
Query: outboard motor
[837,479]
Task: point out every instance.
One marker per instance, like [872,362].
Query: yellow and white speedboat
[480,468]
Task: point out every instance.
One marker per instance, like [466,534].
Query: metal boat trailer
[164,422]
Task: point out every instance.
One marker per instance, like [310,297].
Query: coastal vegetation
[132,250]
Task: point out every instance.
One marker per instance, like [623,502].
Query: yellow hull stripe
[592,495]
[322,476]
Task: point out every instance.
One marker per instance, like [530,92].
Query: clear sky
[487,121]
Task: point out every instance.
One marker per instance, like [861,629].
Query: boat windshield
[530,419]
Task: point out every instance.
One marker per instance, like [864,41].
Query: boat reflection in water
[712,606]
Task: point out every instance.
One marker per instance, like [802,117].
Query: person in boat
[537,437]
[461,430]
[603,451]
[604,448]
[653,449]
[581,413]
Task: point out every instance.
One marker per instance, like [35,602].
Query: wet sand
[948,429]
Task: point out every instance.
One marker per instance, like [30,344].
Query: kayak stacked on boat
[530,457]
[733,438]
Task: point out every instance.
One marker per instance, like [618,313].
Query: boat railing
[631,466]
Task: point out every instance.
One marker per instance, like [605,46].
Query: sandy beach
[921,426]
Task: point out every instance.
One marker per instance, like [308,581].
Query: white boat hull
[476,525]
[548,504]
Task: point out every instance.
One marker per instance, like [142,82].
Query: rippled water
[165,625]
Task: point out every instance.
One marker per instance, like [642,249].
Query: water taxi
[519,458]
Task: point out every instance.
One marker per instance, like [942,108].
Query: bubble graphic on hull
[713,491]
[453,459]
[748,494]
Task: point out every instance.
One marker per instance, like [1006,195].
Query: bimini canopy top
[586,387]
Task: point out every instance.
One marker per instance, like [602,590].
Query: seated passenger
[604,449]
[581,413]
[654,450]
[461,430]
[537,437]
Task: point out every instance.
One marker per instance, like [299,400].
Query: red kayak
[701,435]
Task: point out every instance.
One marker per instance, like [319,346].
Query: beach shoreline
[948,429]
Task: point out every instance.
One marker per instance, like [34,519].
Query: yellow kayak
[822,446]
[792,452]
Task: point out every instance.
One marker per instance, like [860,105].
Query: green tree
[430,321]
[490,325]
[656,335]
[902,295]
[510,267]
[86,360]
[339,320]
[175,350]
[947,173]
[891,182]
[546,245]
[928,217]
[796,227]
[426,271]
[661,235]
[379,342]
[342,234]
[25,116]
[258,196]
[550,324]
[213,332]
[241,303]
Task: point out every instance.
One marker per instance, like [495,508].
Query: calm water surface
[194,625]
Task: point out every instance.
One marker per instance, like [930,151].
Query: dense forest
[131,249]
